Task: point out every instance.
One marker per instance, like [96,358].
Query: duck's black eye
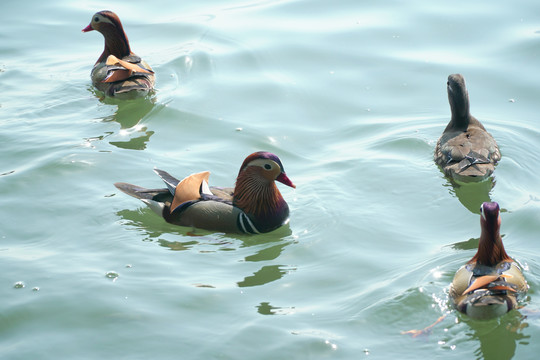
[96,19]
[267,166]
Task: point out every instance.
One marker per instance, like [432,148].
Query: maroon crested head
[490,214]
[116,41]
[281,176]
[490,247]
[256,192]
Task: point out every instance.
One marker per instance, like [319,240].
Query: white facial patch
[266,164]
[482,211]
[101,19]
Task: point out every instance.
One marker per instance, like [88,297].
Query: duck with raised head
[490,284]
[254,206]
[118,72]
[465,151]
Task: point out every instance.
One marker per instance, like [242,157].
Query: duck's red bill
[87,29]
[282,178]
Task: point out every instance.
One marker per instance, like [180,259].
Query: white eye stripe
[482,211]
[101,19]
[266,164]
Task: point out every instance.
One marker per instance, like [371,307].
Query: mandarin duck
[118,72]
[254,206]
[465,151]
[491,282]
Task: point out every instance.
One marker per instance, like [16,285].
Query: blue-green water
[351,95]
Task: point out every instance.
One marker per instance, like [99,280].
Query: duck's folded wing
[225,193]
[460,282]
[482,282]
[116,73]
[207,214]
[129,64]
[189,189]
[123,69]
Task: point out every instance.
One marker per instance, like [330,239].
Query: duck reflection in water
[498,338]
[472,195]
[129,115]
[265,308]
[267,247]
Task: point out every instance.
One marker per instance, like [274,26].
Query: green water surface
[350,94]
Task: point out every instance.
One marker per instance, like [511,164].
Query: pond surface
[351,95]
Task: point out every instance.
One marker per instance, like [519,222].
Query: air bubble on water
[112,275]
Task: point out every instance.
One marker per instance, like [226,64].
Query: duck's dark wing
[467,154]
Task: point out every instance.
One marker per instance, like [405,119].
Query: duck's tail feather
[168,179]
[139,192]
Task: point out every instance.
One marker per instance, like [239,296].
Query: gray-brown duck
[465,150]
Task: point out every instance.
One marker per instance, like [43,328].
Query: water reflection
[177,245]
[265,308]
[268,246]
[471,244]
[491,339]
[473,194]
[270,253]
[498,338]
[129,114]
[265,275]
[136,143]
[155,227]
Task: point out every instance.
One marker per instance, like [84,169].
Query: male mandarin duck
[465,150]
[254,206]
[118,72]
[490,283]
